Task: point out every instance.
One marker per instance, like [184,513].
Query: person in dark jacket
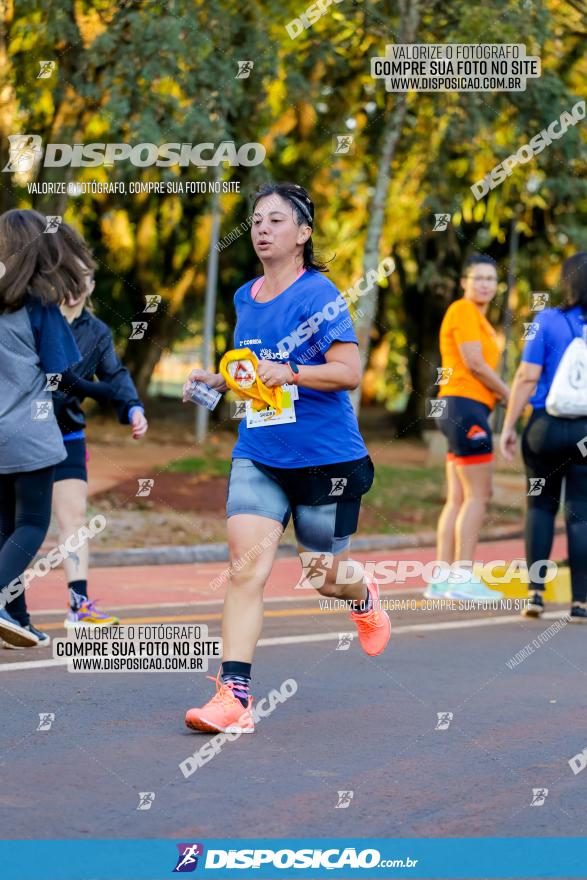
[94,340]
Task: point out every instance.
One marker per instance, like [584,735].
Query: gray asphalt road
[356,724]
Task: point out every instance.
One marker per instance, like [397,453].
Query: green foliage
[160,72]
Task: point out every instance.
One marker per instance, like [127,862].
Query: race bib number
[259,419]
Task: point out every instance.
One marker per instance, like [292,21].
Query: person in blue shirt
[313,465]
[553,448]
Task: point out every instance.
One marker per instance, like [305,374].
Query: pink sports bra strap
[259,282]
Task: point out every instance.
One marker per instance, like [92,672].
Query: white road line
[321,637]
[409,628]
[299,596]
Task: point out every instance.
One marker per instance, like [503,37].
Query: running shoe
[535,605]
[474,590]
[43,638]
[14,634]
[437,591]
[224,713]
[374,626]
[579,612]
[89,615]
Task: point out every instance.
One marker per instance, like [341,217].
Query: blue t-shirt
[300,325]
[553,335]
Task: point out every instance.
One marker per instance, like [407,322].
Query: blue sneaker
[42,637]
[474,590]
[14,634]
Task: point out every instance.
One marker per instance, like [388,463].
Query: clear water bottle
[203,395]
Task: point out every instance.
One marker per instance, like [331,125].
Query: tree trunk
[142,355]
[7,105]
[409,20]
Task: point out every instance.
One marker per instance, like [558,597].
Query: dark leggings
[553,451]
[25,513]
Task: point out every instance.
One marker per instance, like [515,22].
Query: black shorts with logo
[465,424]
[343,483]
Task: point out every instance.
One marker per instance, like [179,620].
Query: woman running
[470,354]
[553,447]
[315,467]
[70,491]
[36,275]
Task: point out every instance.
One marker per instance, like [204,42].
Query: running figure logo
[244,69]
[536,485]
[146,799]
[46,719]
[42,409]
[53,380]
[530,330]
[25,152]
[138,329]
[343,144]
[145,486]
[53,223]
[582,446]
[539,301]
[315,566]
[344,641]
[344,799]
[338,484]
[436,408]
[443,375]
[239,409]
[444,719]
[152,303]
[539,795]
[441,222]
[47,68]
[187,859]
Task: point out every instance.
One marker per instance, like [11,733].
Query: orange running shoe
[374,627]
[224,713]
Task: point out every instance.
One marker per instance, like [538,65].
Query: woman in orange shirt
[470,354]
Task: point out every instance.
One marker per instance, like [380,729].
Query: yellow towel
[244,380]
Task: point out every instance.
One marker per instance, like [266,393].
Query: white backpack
[567,397]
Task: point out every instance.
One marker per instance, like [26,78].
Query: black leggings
[552,450]
[25,513]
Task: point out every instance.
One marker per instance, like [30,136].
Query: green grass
[206,466]
[408,497]
[403,488]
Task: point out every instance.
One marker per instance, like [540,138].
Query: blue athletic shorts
[74,467]
[465,424]
[325,528]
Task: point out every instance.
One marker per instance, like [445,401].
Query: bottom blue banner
[472,858]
